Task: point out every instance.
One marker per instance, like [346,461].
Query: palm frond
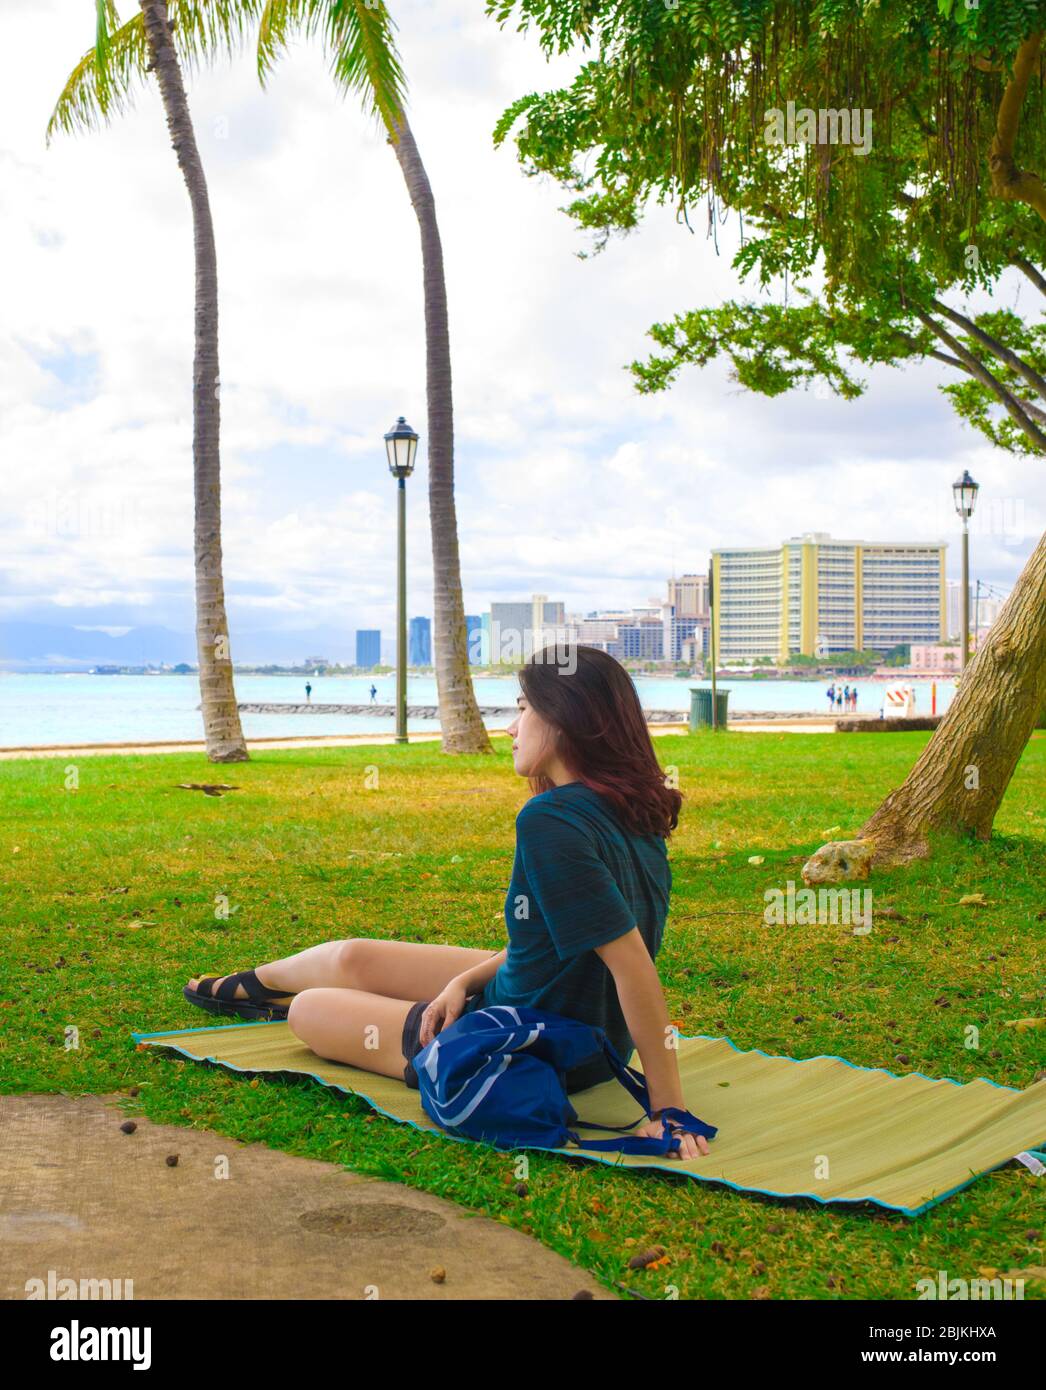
[279,21]
[208,29]
[102,82]
[106,19]
[365,60]
[358,39]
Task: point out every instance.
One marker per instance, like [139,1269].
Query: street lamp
[401,444]
[964,490]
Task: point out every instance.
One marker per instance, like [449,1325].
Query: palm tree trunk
[221,716]
[958,784]
[463,729]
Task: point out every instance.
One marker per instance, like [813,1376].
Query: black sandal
[224,1002]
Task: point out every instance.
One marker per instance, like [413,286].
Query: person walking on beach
[373,693]
[831,697]
[308,692]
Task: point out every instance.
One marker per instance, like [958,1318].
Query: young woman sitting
[585,909]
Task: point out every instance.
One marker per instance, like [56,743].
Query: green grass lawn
[108,903]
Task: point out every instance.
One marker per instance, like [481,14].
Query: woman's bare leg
[315,966]
[354,1026]
[399,969]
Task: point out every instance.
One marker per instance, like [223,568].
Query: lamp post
[964,490]
[711,639]
[401,444]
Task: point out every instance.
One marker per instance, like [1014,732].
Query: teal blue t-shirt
[579,880]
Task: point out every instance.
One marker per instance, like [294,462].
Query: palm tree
[460,719]
[98,86]
[357,37]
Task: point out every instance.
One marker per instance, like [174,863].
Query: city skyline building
[810,595]
[420,642]
[629,633]
[815,596]
[686,629]
[688,594]
[474,644]
[599,629]
[935,658]
[953,599]
[984,611]
[368,646]
[641,640]
[518,629]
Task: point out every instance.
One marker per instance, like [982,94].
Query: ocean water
[56,709]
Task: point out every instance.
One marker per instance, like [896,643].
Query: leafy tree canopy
[879,153]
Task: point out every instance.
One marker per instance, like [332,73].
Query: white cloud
[568,481]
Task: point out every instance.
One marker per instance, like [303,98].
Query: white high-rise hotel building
[813,596]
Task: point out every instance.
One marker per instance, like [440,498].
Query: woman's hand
[448,1005]
[690,1145]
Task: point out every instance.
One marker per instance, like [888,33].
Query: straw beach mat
[818,1127]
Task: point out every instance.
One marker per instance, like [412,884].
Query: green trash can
[701,708]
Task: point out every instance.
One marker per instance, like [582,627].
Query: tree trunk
[959,782]
[460,720]
[221,717]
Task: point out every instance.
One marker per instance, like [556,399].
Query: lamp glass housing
[965,490]
[401,445]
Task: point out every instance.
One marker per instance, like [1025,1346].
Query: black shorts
[412,1040]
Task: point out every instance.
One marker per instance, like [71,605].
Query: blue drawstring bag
[498,1075]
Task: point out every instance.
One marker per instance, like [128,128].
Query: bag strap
[633,1081]
[648,1144]
[690,1123]
[614,1129]
[635,1084]
[633,1144]
[668,1143]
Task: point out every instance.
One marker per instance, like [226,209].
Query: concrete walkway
[783,725]
[81,1200]
[95,750]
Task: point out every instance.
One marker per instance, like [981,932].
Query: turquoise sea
[57,709]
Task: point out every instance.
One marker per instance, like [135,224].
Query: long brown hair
[601,734]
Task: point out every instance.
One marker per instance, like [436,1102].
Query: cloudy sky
[568,482]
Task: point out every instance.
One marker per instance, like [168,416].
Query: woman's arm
[646,1014]
[450,1002]
[473,979]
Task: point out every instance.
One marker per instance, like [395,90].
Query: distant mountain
[44,647]
[37,646]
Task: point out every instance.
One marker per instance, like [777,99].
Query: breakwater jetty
[653,716]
